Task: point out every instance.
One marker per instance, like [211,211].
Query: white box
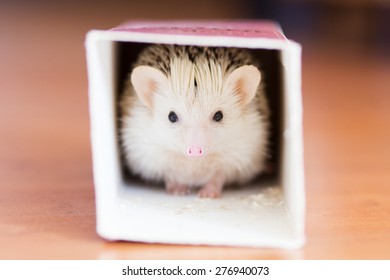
[257,215]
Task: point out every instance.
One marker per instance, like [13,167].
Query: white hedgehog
[194,117]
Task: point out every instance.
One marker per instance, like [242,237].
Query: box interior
[271,69]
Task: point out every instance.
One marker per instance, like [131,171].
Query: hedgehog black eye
[218,116]
[173,117]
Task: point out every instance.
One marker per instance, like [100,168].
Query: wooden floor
[46,191]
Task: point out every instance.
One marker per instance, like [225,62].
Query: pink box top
[247,29]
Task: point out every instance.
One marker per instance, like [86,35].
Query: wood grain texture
[46,189]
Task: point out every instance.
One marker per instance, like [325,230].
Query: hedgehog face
[190,126]
[198,110]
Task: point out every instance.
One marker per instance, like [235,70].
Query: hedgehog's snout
[195,151]
[195,141]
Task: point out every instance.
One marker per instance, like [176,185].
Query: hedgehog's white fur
[154,148]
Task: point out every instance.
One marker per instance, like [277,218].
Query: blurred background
[45,160]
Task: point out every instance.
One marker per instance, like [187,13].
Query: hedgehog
[194,117]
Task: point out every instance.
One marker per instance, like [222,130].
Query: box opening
[268,212]
[271,69]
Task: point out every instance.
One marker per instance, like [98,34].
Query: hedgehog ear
[244,81]
[146,80]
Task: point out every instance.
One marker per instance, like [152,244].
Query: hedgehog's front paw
[211,190]
[177,189]
[209,193]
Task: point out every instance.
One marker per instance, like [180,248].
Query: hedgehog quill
[195,117]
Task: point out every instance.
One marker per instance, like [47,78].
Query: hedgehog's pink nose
[195,151]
